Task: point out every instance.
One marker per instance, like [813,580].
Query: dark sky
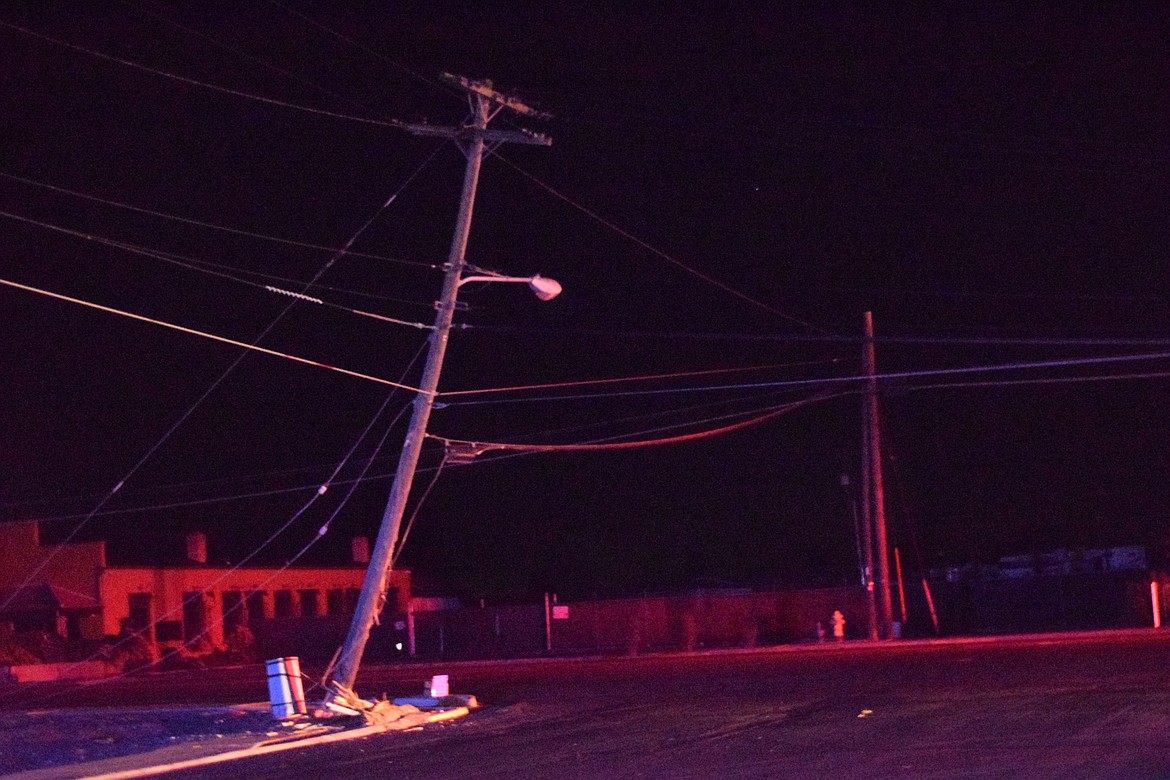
[992,184]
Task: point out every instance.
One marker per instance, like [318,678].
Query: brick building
[71,590]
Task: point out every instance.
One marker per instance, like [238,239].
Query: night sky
[727,190]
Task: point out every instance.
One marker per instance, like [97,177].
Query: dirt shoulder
[66,742]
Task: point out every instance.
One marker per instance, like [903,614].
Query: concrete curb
[828,646]
[81,670]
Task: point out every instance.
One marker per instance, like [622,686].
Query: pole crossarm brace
[518,136]
[482,90]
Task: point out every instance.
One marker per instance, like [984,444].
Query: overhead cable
[299,488]
[1020,341]
[198,83]
[640,378]
[1043,381]
[224,228]
[219,380]
[223,339]
[245,55]
[477,447]
[655,251]
[364,478]
[321,490]
[857,379]
[167,257]
[755,398]
[313,22]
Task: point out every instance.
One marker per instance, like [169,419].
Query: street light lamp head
[544,288]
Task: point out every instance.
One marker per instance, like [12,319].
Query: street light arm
[542,287]
[492,278]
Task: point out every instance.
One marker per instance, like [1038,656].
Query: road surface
[1065,706]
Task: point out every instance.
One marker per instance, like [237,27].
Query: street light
[542,287]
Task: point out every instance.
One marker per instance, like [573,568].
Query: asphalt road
[1065,706]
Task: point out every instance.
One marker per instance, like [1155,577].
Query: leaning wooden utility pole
[878,505]
[472,137]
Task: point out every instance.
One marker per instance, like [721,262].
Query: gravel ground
[42,739]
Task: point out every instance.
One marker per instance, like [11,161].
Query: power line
[198,83]
[1021,341]
[181,504]
[225,229]
[174,487]
[654,250]
[187,263]
[321,490]
[664,413]
[616,380]
[238,273]
[355,481]
[414,513]
[1044,381]
[626,234]
[473,448]
[413,74]
[244,55]
[1064,363]
[223,339]
[300,488]
[982,293]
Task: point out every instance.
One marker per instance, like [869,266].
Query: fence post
[410,636]
[547,625]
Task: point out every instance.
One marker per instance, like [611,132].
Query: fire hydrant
[838,625]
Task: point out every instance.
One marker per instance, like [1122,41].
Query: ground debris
[384,713]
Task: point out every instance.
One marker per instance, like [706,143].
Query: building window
[140,616]
[235,611]
[310,603]
[283,601]
[169,630]
[194,617]
[351,600]
[335,602]
[257,601]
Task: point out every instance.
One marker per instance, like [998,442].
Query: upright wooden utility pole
[867,523]
[878,505]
